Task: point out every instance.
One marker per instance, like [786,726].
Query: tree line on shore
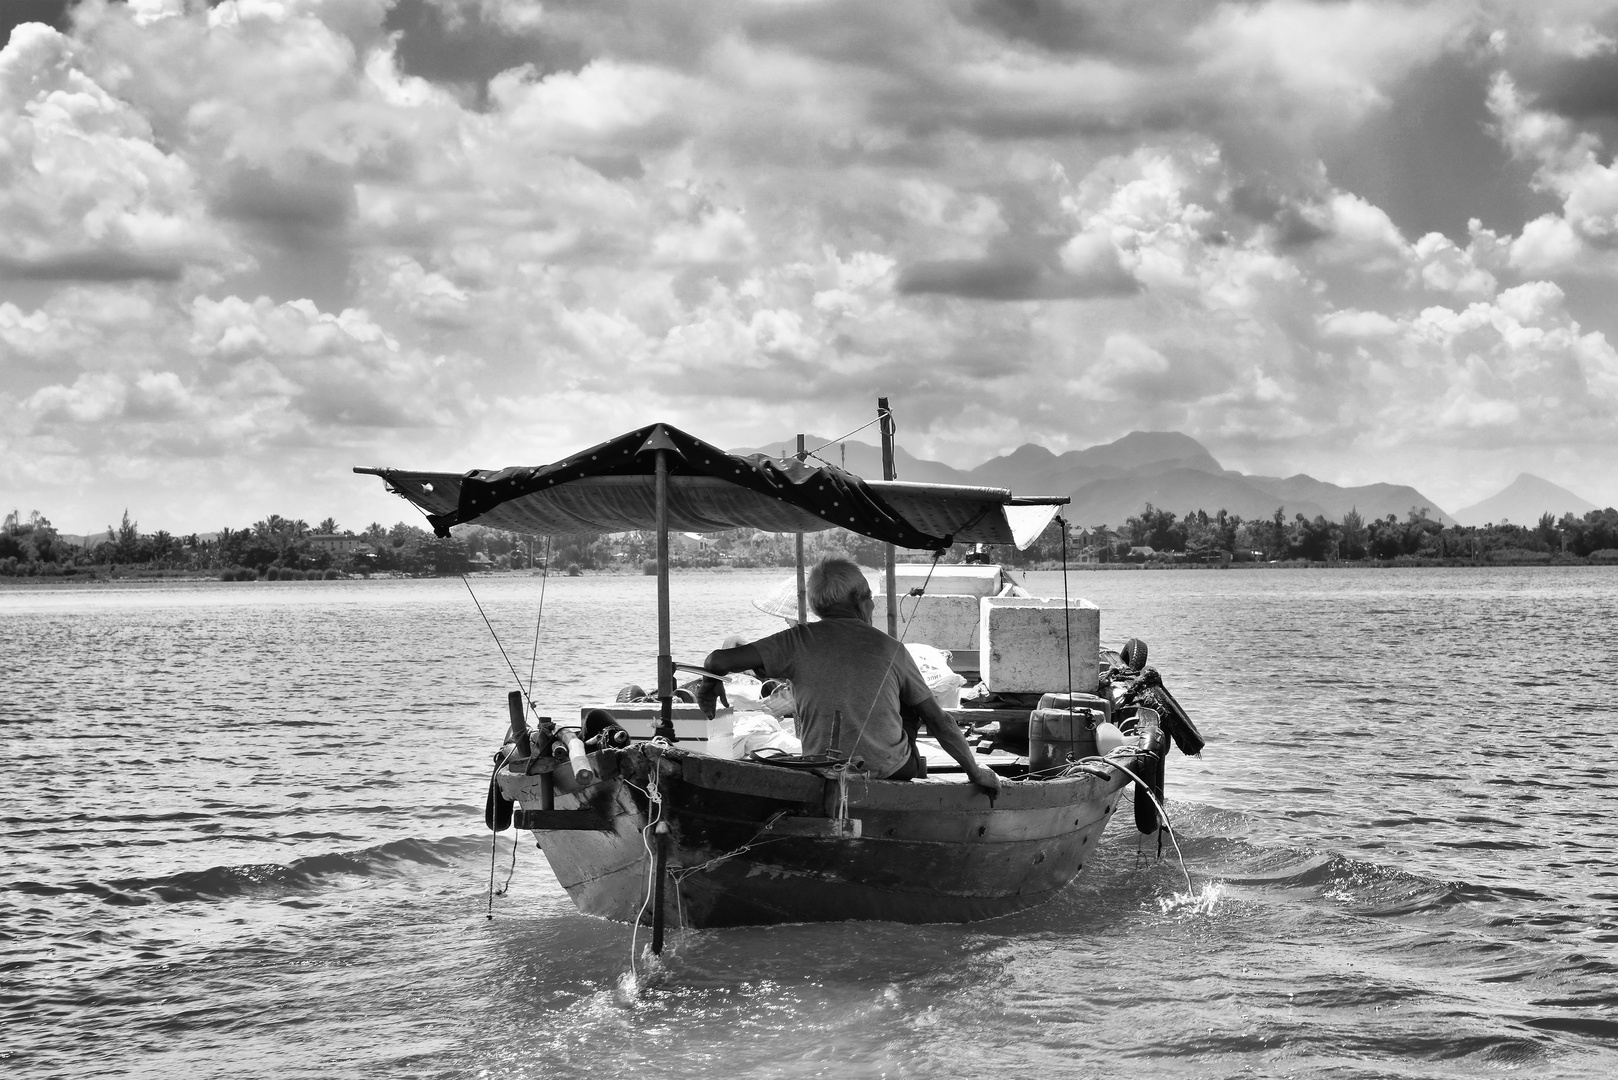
[275,547]
[282,548]
[1200,535]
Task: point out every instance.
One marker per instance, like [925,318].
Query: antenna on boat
[885,415]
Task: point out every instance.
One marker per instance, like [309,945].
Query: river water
[243,838]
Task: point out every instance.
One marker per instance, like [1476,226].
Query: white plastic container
[1109,738]
[1030,645]
[944,621]
[1055,736]
[958,580]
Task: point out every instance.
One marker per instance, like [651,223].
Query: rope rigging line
[1168,827]
[511,871]
[919,593]
[893,662]
[1072,768]
[533,657]
[681,873]
[1067,614]
[654,804]
[841,438]
[514,676]
[885,416]
[494,837]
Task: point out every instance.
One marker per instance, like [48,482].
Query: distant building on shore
[332,544]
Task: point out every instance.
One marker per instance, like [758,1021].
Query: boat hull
[750,844]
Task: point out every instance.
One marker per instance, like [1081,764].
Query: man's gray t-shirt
[850,666]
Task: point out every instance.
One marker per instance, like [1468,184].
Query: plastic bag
[935,670]
[780,704]
[743,690]
[757,731]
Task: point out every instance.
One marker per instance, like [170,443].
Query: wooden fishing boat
[646,824]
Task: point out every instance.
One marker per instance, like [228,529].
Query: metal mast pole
[803,593]
[665,649]
[889,473]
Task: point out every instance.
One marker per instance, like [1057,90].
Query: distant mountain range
[1113,482]
[1523,501]
[90,540]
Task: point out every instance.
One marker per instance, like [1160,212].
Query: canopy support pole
[885,414]
[803,593]
[665,649]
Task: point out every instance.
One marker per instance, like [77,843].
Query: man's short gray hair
[836,583]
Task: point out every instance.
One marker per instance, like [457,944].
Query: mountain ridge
[1111,482]
[1522,501]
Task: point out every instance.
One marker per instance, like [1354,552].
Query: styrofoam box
[944,622]
[1024,647]
[694,731]
[959,580]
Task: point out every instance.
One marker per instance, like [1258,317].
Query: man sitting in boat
[849,680]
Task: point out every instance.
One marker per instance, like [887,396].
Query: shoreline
[99,580]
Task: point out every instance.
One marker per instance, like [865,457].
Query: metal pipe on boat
[519,724]
[889,473]
[615,737]
[582,773]
[803,593]
[544,732]
[665,650]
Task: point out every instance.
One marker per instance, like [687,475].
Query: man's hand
[988,780]
[710,692]
[948,733]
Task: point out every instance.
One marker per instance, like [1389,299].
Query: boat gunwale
[819,786]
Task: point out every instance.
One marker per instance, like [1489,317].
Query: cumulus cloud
[264,238]
[1583,237]
[88,194]
[1516,369]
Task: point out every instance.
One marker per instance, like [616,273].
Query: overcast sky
[246,246]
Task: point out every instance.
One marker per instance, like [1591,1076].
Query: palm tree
[270,527]
[329,526]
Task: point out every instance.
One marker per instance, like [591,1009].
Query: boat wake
[1214,848]
[1200,902]
[311,874]
[647,973]
[1364,888]
[1227,868]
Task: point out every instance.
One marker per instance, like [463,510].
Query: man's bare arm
[725,661]
[941,727]
[722,662]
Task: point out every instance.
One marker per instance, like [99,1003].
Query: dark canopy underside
[612,487]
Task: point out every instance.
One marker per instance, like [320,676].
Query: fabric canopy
[612,487]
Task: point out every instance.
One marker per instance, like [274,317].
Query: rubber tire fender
[497,809]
